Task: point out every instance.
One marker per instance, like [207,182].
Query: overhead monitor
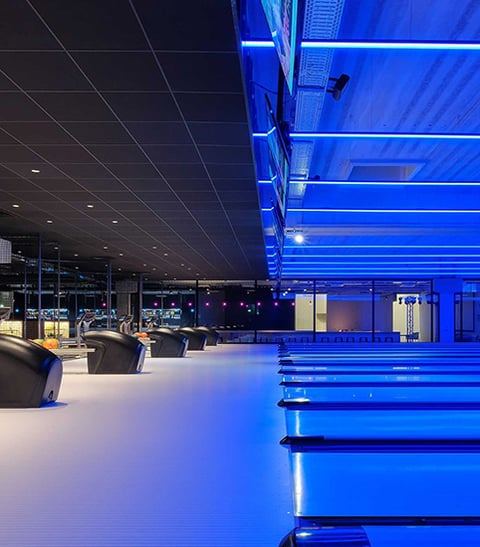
[282,21]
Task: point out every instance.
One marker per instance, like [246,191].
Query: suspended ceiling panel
[124,133]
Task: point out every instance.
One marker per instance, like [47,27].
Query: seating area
[31,374]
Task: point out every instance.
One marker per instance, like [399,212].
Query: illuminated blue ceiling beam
[414,256]
[393,246]
[376,183]
[372,44]
[378,135]
[373,211]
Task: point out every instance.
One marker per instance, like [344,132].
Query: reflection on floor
[185,454]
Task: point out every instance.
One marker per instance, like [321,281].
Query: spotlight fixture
[299,238]
[338,86]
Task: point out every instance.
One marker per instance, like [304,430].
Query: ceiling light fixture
[298,238]
[375,183]
[402,211]
[49,221]
[16,205]
[35,171]
[372,44]
[90,206]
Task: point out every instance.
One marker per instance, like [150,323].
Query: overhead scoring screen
[282,21]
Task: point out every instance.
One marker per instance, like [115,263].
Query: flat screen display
[282,21]
[278,160]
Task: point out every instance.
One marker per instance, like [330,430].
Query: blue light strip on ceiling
[372,44]
[300,256]
[294,263]
[416,211]
[390,44]
[376,135]
[379,135]
[383,246]
[374,183]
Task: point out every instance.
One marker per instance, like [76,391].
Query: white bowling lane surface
[185,454]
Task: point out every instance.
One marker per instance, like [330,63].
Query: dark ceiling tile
[234,171]
[147,185]
[134,170]
[69,107]
[60,185]
[236,134]
[213,107]
[6,84]
[43,71]
[229,184]
[7,184]
[98,133]
[20,28]
[160,132]
[6,139]
[166,153]
[217,72]
[64,154]
[16,154]
[202,26]
[125,71]
[38,133]
[97,184]
[205,206]
[83,170]
[138,107]
[118,153]
[206,195]
[109,24]
[191,185]
[226,154]
[17,107]
[182,170]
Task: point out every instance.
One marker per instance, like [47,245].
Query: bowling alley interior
[239,273]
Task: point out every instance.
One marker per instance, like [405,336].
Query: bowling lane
[371,420]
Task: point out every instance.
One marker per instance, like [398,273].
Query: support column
[109,294]
[446,287]
[39,301]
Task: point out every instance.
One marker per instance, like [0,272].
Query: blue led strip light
[376,183]
[372,44]
[376,135]
[402,211]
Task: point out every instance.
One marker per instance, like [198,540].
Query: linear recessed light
[384,246]
[373,44]
[377,135]
[415,211]
[375,183]
[390,44]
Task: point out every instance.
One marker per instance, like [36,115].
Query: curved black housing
[168,343]
[30,375]
[196,340]
[212,335]
[115,352]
